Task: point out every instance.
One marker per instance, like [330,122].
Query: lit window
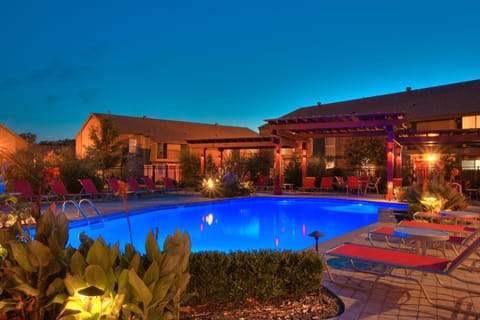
[471,122]
[132,145]
[161,151]
[470,164]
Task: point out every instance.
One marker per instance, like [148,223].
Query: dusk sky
[220,61]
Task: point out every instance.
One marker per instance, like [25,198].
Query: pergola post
[398,160]
[277,187]
[390,142]
[202,162]
[304,160]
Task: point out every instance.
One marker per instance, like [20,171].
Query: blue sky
[221,61]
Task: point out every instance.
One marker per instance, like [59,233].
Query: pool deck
[385,298]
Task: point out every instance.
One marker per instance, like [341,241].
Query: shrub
[262,275]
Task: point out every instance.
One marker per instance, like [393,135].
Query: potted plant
[400,193]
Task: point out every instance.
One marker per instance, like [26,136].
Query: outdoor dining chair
[326,183]
[373,185]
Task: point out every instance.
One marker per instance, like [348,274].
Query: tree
[366,151]
[31,138]
[106,148]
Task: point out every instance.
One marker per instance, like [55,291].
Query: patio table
[421,236]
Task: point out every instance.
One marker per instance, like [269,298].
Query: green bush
[262,275]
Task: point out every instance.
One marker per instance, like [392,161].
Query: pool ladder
[80,211]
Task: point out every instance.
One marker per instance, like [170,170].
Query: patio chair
[381,262]
[135,187]
[89,187]
[262,184]
[308,184]
[373,185]
[151,186]
[340,183]
[58,188]
[24,188]
[326,183]
[353,184]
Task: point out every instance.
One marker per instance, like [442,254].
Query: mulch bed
[320,304]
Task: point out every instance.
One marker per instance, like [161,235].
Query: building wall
[10,142]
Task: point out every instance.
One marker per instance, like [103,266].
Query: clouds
[56,82]
[58,72]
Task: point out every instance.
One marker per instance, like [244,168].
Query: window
[132,145]
[161,151]
[330,141]
[470,164]
[471,122]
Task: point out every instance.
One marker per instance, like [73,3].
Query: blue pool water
[239,224]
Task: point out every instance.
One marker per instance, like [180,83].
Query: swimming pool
[239,224]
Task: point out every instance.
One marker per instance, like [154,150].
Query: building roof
[176,131]
[441,101]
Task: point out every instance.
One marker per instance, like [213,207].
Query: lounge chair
[382,262]
[24,188]
[115,187]
[58,188]
[89,187]
[135,187]
[326,184]
[170,186]
[308,184]
[151,186]
[459,236]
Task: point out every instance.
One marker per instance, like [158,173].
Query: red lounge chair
[114,185]
[24,188]
[458,236]
[170,186]
[135,187]
[381,262]
[439,226]
[326,183]
[90,188]
[59,189]
[151,185]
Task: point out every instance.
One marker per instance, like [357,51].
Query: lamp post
[316,234]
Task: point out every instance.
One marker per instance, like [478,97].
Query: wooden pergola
[389,124]
[300,129]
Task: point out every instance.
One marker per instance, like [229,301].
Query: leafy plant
[41,278]
[33,271]
[129,286]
